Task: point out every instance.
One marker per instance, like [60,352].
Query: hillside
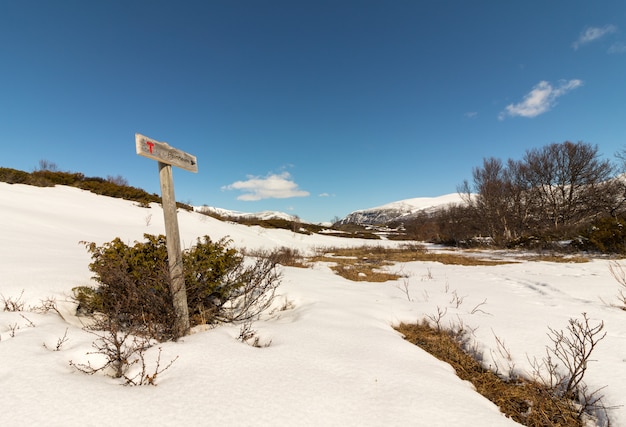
[400,210]
[332,356]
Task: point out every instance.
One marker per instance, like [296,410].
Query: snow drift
[334,358]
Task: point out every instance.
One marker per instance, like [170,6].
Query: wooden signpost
[167,157]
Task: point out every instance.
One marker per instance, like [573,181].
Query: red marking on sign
[150,145]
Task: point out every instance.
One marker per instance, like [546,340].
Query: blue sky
[315,108]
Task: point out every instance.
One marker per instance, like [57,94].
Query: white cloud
[471,114]
[592,34]
[540,99]
[272,186]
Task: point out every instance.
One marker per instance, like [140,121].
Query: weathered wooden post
[167,157]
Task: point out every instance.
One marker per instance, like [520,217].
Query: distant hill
[119,188]
[403,209]
[228,214]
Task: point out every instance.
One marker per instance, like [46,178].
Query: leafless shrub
[13,304]
[477,308]
[121,350]
[118,180]
[143,204]
[143,377]
[286,256]
[456,299]
[246,332]
[573,349]
[13,327]
[46,165]
[619,274]
[59,343]
[437,318]
[254,288]
[530,402]
[404,287]
[504,353]
[564,367]
[286,305]
[249,336]
[29,322]
[118,347]
[46,306]
[461,327]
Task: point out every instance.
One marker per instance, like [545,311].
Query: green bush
[112,187]
[607,235]
[207,266]
[133,285]
[89,300]
[59,178]
[14,176]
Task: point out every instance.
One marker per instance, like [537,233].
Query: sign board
[167,157]
[162,152]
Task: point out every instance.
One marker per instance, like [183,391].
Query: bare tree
[502,199]
[570,182]
[522,203]
[118,180]
[455,224]
[46,165]
[492,201]
[553,189]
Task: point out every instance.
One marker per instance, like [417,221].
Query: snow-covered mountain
[399,210]
[264,215]
[384,214]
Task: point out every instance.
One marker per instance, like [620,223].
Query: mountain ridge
[401,209]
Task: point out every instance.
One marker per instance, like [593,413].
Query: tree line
[559,192]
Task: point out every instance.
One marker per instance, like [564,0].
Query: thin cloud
[272,186]
[618,47]
[471,114]
[540,99]
[592,34]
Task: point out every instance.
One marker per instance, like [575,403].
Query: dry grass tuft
[578,259]
[527,402]
[287,257]
[455,259]
[357,271]
[364,263]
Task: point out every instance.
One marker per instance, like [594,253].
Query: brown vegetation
[529,402]
[276,223]
[366,263]
[112,186]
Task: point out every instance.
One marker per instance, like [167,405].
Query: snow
[263,215]
[422,203]
[333,357]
